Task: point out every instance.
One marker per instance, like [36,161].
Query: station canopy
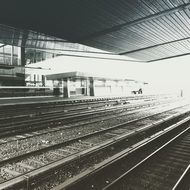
[147,30]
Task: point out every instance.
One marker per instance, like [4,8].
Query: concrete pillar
[87,87]
[110,89]
[91,80]
[66,88]
[21,56]
[122,89]
[62,85]
[12,55]
[21,62]
[181,93]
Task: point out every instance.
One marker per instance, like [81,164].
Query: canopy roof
[147,30]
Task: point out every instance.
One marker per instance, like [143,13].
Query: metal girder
[168,57]
[60,51]
[37,39]
[138,21]
[105,58]
[157,45]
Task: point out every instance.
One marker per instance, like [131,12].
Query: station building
[86,84]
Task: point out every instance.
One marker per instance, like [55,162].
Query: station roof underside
[147,30]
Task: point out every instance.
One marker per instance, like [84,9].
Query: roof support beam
[38,39]
[168,57]
[60,51]
[138,21]
[157,45]
[105,58]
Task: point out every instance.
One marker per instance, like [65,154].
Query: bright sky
[163,76]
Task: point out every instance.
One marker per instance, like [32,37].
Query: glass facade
[9,55]
[19,48]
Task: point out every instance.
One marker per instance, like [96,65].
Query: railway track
[160,163]
[72,105]
[34,111]
[19,119]
[183,182]
[161,169]
[49,137]
[26,163]
[62,108]
[57,120]
[116,114]
[107,174]
[66,109]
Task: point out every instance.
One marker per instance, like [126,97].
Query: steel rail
[65,143]
[181,182]
[79,181]
[97,119]
[122,177]
[5,129]
[32,174]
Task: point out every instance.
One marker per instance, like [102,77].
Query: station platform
[39,99]
[51,99]
[48,99]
